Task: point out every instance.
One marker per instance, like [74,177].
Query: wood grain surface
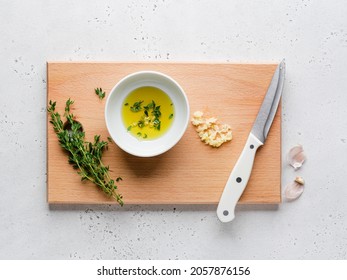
[191,172]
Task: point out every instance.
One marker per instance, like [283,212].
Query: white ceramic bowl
[116,126]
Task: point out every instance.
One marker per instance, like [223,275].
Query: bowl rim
[181,131]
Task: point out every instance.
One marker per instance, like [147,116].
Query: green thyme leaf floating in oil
[171,116]
[100,93]
[136,107]
[84,156]
[141,123]
[150,105]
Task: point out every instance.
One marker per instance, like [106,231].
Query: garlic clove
[296,157]
[300,180]
[294,190]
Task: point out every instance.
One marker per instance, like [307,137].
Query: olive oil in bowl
[147,113]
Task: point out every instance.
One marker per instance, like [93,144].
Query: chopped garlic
[210,131]
[198,114]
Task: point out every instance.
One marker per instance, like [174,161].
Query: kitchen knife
[239,176]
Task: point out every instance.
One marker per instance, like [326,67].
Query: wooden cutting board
[191,172]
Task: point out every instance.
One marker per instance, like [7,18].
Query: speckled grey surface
[311,35]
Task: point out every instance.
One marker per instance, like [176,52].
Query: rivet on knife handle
[237,180]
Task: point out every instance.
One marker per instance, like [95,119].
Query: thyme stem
[84,156]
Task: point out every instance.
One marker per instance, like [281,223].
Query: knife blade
[241,172]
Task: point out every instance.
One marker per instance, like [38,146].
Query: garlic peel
[294,190]
[296,156]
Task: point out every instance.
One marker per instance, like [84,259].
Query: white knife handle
[238,180]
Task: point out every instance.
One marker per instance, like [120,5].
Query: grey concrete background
[311,35]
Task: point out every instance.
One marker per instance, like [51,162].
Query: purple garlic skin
[294,189]
[296,157]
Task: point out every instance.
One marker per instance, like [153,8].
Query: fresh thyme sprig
[99,92]
[83,155]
